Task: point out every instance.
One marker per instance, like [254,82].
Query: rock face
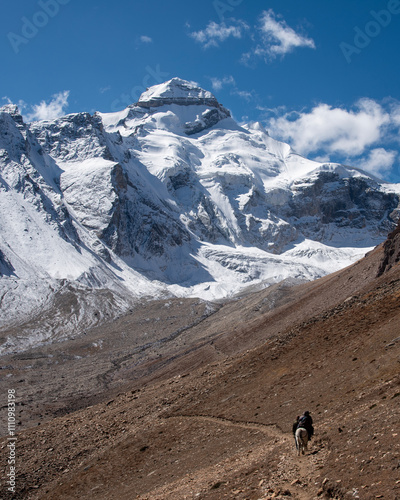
[333,201]
[391,249]
[172,196]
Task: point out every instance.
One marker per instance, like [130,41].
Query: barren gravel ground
[182,399]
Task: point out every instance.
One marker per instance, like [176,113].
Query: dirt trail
[270,430]
[293,477]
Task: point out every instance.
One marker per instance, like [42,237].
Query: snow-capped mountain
[169,196]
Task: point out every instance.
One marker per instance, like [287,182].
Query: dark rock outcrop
[391,249]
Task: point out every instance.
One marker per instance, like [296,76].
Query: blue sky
[322,76]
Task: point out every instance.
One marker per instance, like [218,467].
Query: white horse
[301,437]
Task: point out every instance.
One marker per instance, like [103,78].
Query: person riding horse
[306,422]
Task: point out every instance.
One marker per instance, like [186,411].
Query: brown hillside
[209,415]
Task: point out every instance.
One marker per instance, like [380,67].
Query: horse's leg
[304,441]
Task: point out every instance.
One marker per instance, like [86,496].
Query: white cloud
[218,83]
[49,110]
[333,130]
[277,39]
[146,39]
[322,159]
[367,135]
[215,33]
[280,37]
[245,94]
[379,161]
[395,112]
[271,38]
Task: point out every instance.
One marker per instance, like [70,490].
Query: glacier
[169,197]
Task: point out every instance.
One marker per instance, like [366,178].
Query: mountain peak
[177,91]
[13,111]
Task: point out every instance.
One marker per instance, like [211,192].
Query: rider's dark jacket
[306,422]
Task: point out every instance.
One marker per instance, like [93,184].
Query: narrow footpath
[286,476]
